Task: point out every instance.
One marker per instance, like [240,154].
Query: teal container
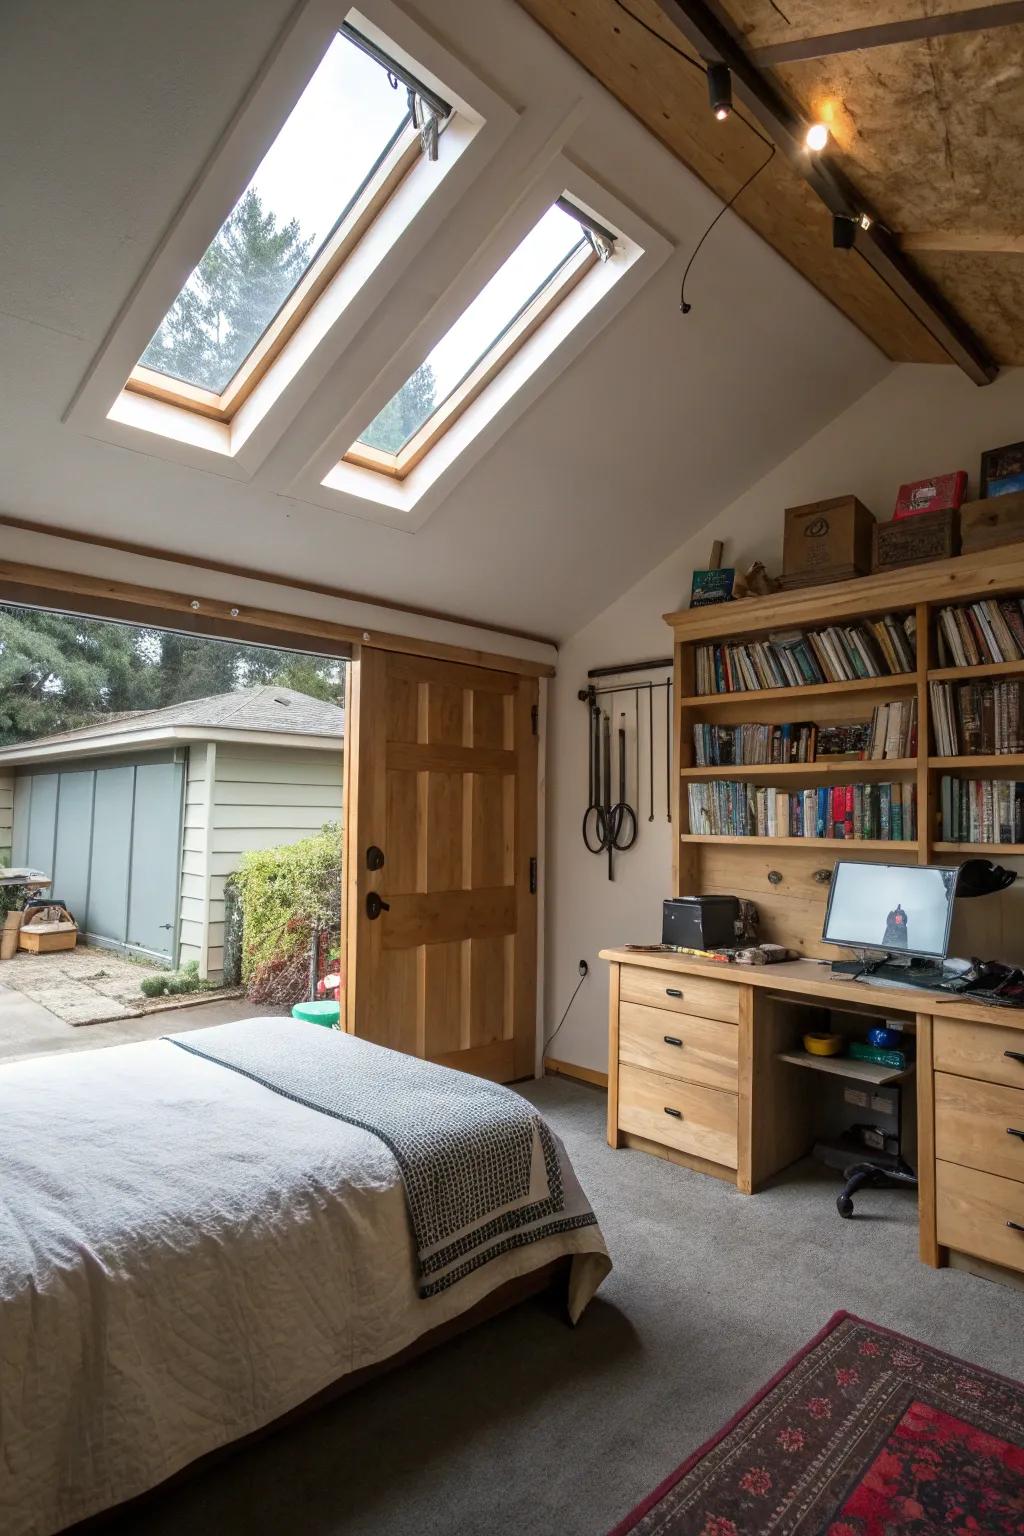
[328,1014]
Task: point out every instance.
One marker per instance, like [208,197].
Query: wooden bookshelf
[838,770]
[971,674]
[787,876]
[1007,760]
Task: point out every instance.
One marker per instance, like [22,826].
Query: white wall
[917,421]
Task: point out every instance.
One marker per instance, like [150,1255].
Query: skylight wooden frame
[406,153]
[560,284]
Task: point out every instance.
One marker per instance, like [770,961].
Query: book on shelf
[978,634]
[841,812]
[981,810]
[795,658]
[971,719]
[890,732]
[731,745]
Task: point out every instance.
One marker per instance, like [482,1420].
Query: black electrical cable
[699,64]
[724,209]
[565,1015]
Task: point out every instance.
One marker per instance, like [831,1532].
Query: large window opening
[359,126]
[180,798]
[560,248]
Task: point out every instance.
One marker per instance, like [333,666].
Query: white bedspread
[184,1256]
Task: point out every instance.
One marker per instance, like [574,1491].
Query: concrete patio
[29,1029]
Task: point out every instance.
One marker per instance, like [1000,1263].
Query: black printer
[700,922]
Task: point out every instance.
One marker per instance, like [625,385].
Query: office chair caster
[859,1174]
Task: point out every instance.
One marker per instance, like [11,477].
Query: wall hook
[823,876]
[774,877]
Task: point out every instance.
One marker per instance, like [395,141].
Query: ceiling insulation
[928,131]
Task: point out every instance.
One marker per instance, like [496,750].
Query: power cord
[584,969]
[699,64]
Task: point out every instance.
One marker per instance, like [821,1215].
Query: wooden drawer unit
[701,995]
[981,1214]
[980,1125]
[679,1045]
[991,1052]
[700,1121]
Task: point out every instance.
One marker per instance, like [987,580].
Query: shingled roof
[264,708]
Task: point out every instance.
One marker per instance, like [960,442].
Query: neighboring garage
[141,818]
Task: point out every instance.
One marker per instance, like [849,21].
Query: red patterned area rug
[863,1433]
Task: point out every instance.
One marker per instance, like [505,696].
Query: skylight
[520,294]
[350,127]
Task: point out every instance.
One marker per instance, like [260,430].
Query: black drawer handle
[675,1040]
[1015,1226]
[1015,1055]
[673,992]
[677,1114]
[1011,1132]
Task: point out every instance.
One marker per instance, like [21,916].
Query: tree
[244,277]
[58,672]
[404,413]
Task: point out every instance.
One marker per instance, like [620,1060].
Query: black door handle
[673,992]
[1015,1226]
[673,1040]
[375,905]
[374,857]
[1011,1132]
[676,1114]
[1015,1055]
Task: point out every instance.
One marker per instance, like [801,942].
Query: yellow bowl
[823,1045]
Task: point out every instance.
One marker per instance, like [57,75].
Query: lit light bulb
[817,136]
[721,113]
[865,221]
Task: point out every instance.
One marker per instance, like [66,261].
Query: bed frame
[551,1281]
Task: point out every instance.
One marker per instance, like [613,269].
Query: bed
[191,1246]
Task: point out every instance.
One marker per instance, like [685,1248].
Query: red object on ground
[939,494]
[927,1443]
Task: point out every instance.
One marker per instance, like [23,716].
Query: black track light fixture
[720,90]
[844,231]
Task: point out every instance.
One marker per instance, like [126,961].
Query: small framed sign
[1002,470]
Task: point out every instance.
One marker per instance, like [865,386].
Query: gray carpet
[529,1426]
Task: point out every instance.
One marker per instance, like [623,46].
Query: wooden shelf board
[1002,760]
[983,669]
[804,691]
[978,848]
[845,1066]
[869,843]
[846,770]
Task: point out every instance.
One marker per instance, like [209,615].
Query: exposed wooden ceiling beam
[884,34]
[783,123]
[969,242]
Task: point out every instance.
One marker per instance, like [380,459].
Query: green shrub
[285,893]
[177,983]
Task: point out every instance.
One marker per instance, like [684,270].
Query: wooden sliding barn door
[441,844]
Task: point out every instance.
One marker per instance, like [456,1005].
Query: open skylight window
[358,127]
[547,263]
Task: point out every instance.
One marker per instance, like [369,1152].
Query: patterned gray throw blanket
[480,1167]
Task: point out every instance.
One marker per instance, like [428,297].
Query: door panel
[107,917]
[443,779]
[74,842]
[156,844]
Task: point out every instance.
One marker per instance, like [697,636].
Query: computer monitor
[905,909]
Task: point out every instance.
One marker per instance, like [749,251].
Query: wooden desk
[695,1076]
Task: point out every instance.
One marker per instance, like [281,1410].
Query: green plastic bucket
[326,1014]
